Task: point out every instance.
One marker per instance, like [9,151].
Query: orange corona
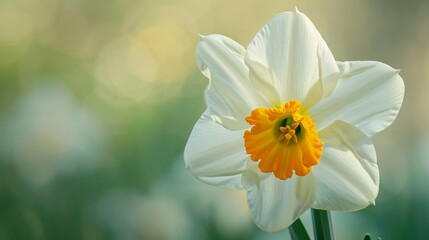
[283,140]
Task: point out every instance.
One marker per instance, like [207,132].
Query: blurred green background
[98,98]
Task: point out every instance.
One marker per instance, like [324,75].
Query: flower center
[283,140]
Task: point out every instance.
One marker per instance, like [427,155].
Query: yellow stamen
[269,140]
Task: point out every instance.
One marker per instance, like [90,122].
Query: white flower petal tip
[295,9]
[201,36]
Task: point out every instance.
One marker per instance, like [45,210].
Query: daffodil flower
[289,124]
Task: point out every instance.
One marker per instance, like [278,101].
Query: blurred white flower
[132,215]
[170,211]
[311,120]
[225,207]
[48,133]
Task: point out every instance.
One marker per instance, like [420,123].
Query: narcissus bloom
[289,124]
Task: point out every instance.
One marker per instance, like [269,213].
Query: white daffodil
[289,124]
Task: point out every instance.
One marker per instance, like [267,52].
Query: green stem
[297,231]
[322,225]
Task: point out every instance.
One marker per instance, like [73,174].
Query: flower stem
[322,225]
[297,231]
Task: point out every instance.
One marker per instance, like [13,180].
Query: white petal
[230,96]
[215,155]
[368,95]
[288,54]
[275,204]
[347,175]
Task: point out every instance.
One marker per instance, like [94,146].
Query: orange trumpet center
[283,140]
